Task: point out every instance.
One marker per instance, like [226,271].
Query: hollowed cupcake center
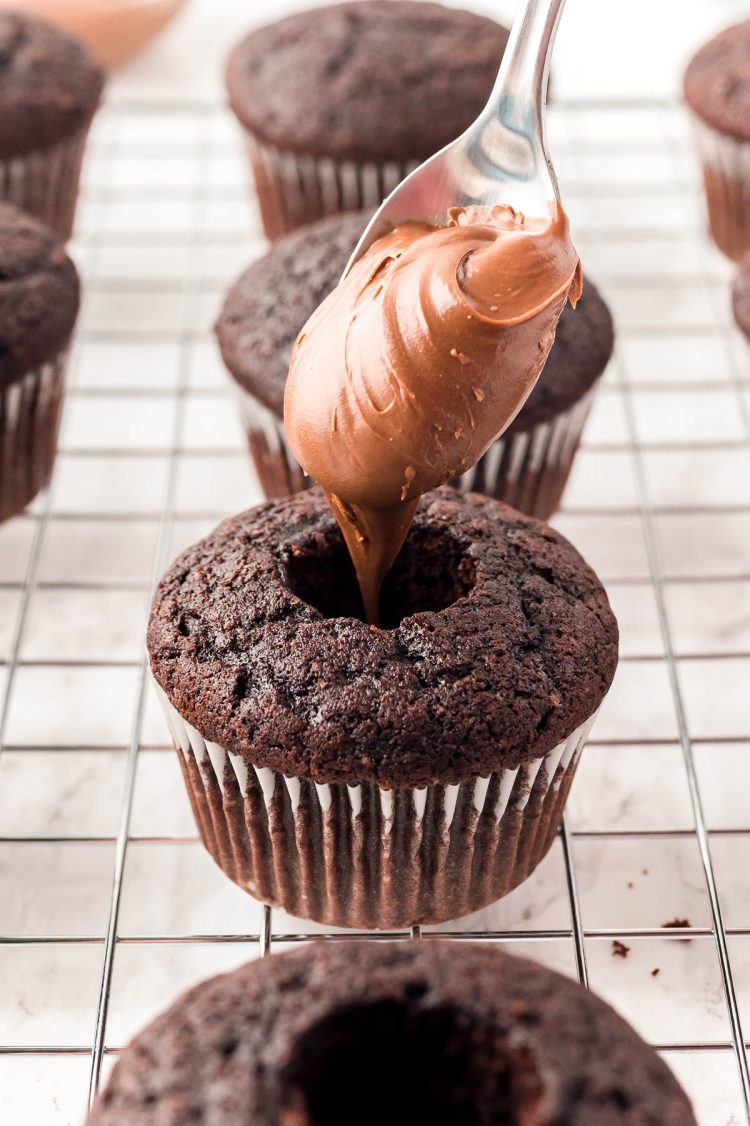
[390,1063]
[431,573]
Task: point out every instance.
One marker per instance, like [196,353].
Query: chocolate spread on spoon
[417,361]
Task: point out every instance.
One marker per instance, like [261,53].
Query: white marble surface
[156,256]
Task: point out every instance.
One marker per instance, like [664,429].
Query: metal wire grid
[180,165]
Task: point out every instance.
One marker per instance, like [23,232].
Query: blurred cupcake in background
[49,94]
[461,1034]
[528,466]
[39,295]
[339,103]
[717,91]
[263,313]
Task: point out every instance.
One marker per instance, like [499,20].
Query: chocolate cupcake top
[498,642]
[431,1031]
[38,294]
[717,82]
[375,80]
[51,84]
[741,297]
[268,305]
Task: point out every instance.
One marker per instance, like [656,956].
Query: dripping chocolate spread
[418,360]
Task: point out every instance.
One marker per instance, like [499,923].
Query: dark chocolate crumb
[655,972]
[677,924]
[619,949]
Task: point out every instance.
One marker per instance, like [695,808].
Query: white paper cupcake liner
[279,472]
[364,856]
[29,421]
[45,183]
[294,189]
[726,181]
[527,469]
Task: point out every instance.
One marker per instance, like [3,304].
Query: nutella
[418,360]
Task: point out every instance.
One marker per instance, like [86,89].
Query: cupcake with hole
[379,689]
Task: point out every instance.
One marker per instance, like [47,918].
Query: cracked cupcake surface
[499,643]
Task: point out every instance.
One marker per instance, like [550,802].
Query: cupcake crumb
[678,924]
[619,949]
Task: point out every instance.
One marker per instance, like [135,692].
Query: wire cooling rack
[109,906]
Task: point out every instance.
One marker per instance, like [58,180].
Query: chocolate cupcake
[38,308]
[398,1032]
[49,94]
[339,103]
[717,92]
[527,467]
[371,777]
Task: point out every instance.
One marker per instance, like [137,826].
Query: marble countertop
[152,456]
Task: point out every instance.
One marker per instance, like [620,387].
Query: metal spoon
[501,158]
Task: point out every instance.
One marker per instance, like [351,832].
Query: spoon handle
[521,85]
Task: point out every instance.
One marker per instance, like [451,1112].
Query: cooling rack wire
[108,904]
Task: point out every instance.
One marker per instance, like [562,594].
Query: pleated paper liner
[29,422]
[726,180]
[528,469]
[277,469]
[367,857]
[45,183]
[294,189]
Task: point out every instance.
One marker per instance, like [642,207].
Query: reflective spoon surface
[502,157]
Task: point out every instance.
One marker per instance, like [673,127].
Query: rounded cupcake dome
[717,82]
[39,294]
[51,85]
[435,1031]
[499,643]
[268,305]
[377,80]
